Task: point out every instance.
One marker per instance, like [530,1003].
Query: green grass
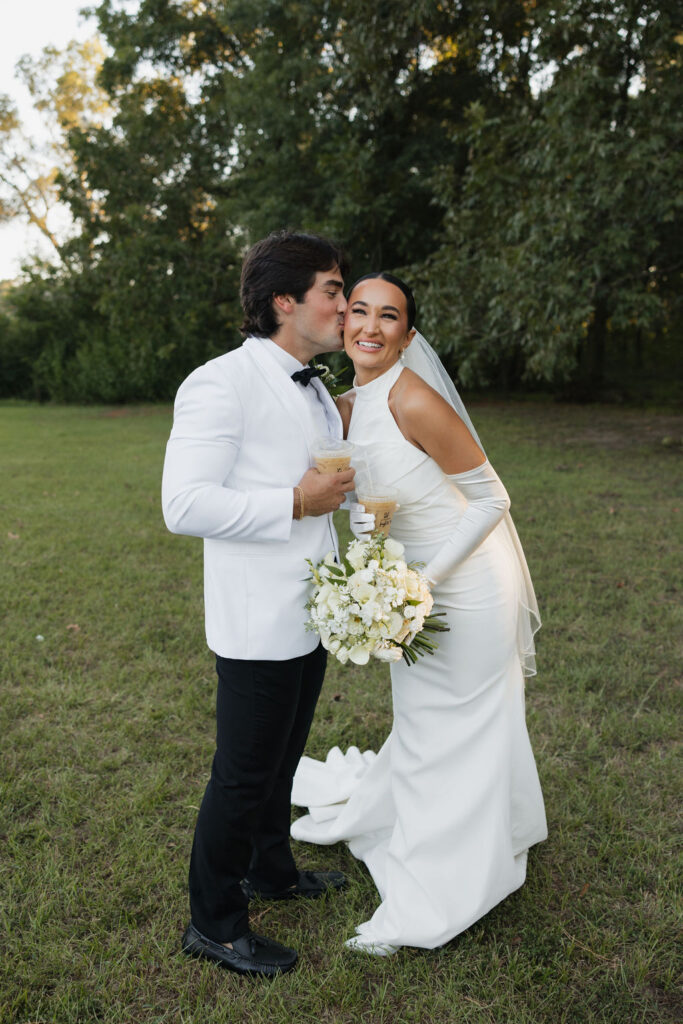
[107,731]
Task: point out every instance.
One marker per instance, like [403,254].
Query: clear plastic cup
[382,502]
[332,455]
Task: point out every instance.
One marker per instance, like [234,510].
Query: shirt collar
[287,361]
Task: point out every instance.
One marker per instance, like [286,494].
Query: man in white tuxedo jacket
[237,473]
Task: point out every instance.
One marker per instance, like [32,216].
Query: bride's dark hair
[384,275]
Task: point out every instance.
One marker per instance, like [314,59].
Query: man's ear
[284,303]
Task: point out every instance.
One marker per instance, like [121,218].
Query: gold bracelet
[301,503]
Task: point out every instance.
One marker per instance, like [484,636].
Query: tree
[230,120]
[515,158]
[566,226]
[63,89]
[26,183]
[285,119]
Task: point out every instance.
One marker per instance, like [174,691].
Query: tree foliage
[63,87]
[515,159]
[566,225]
[27,184]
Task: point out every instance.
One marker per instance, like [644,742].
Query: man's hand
[324,492]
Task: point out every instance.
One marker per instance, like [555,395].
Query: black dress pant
[264,711]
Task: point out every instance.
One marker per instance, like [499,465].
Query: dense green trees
[516,160]
[566,226]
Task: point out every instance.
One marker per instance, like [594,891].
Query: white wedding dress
[444,814]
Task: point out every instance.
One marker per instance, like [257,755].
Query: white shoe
[363,945]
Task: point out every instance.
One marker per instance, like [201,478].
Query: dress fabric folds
[444,814]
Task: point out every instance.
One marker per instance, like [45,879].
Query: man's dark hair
[284,263]
[384,275]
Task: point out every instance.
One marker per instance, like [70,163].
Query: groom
[237,474]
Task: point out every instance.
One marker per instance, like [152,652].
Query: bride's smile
[375,328]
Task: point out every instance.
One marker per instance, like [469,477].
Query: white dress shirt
[289,363]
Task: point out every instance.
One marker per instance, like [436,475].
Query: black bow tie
[304,376]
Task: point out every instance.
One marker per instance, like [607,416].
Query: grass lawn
[107,729]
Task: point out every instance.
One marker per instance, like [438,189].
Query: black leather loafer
[250,954]
[310,885]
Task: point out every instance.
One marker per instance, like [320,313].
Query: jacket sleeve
[203,447]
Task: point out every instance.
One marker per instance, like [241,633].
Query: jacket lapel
[290,396]
[330,406]
[288,393]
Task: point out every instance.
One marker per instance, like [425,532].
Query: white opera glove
[487,503]
[362,523]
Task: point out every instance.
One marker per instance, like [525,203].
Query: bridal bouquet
[374,605]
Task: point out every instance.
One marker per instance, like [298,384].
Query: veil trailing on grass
[421,358]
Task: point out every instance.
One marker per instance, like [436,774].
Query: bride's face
[375,327]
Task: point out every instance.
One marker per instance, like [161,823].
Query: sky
[28,26]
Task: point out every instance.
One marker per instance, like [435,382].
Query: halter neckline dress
[444,814]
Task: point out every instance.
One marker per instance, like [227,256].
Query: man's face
[319,319]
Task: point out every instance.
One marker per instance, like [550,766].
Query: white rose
[395,623]
[387,652]
[404,632]
[393,548]
[356,553]
[324,593]
[362,592]
[336,601]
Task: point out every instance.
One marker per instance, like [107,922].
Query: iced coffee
[381,502]
[332,455]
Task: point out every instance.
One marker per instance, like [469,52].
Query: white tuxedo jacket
[241,440]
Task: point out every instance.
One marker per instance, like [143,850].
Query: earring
[402,355]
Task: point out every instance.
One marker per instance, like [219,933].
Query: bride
[444,814]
